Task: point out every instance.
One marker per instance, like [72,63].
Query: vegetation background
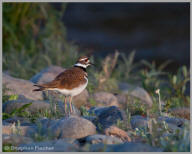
[34,37]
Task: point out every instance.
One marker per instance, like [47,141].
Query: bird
[70,82]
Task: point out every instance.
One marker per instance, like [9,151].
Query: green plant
[175,91]
[135,106]
[7,97]
[84,112]
[34,38]
[159,101]
[150,75]
[18,112]
[105,82]
[125,124]
[125,67]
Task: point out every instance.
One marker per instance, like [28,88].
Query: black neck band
[84,69]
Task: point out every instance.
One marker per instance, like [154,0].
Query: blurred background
[157,31]
[36,35]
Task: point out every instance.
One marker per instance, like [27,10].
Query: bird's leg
[70,100]
[65,101]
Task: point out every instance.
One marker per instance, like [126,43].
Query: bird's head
[83,61]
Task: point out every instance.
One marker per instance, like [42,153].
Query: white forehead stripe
[83,59]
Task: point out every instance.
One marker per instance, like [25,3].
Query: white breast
[73,92]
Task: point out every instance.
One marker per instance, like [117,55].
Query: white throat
[81,65]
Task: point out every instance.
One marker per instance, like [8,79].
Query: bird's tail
[40,88]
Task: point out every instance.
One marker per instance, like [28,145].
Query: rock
[35,107]
[137,92]
[122,99]
[49,146]
[16,120]
[108,116]
[20,87]
[98,138]
[113,130]
[81,99]
[72,127]
[45,125]
[132,147]
[173,128]
[65,146]
[125,147]
[138,121]
[173,124]
[97,110]
[16,139]
[45,122]
[100,147]
[61,109]
[6,123]
[47,75]
[105,99]
[27,131]
[182,112]
[93,119]
[179,122]
[78,100]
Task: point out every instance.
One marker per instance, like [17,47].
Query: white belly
[72,92]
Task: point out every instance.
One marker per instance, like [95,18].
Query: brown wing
[47,86]
[70,78]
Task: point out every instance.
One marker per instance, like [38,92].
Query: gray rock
[125,147]
[122,98]
[97,110]
[61,109]
[47,75]
[93,119]
[173,128]
[6,123]
[35,107]
[78,100]
[15,139]
[105,99]
[22,120]
[72,127]
[45,124]
[49,146]
[98,138]
[20,87]
[137,92]
[132,147]
[108,116]
[182,112]
[66,146]
[138,121]
[81,99]
[173,124]
[100,147]
[27,131]
[179,122]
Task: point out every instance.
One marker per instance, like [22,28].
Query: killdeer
[71,82]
